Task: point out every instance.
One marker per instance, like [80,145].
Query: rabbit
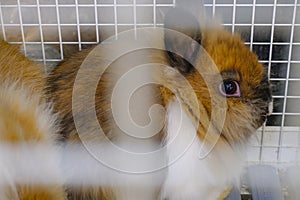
[27,130]
[215,95]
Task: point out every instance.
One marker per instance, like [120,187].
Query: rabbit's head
[238,79]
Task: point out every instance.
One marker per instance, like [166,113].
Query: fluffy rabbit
[248,98]
[213,106]
[27,131]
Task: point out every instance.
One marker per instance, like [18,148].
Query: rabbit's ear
[182,21]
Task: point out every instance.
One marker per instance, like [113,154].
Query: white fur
[26,161]
[190,177]
[22,101]
[8,190]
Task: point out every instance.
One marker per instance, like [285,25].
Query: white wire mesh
[271,28]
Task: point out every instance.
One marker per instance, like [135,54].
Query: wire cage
[271,28]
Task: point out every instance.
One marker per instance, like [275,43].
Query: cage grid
[271,28]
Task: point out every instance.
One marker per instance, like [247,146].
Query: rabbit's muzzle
[266,112]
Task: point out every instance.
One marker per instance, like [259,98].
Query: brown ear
[182,21]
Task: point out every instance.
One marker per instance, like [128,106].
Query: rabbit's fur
[190,176]
[26,121]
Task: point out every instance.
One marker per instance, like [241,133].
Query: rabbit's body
[16,69]
[210,165]
[190,176]
[26,121]
[203,155]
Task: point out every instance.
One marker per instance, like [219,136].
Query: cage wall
[271,28]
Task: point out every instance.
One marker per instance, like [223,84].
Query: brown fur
[233,60]
[229,54]
[60,88]
[22,105]
[16,68]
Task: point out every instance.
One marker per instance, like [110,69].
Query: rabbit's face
[243,84]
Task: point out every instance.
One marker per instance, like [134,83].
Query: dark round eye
[230,88]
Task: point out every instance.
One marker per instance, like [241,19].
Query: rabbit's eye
[230,88]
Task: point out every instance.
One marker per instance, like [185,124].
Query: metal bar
[92,5]
[2,23]
[116,19]
[134,18]
[96,22]
[21,26]
[233,15]
[271,38]
[145,24]
[59,30]
[78,25]
[214,7]
[41,34]
[154,13]
[252,25]
[287,82]
[151,5]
